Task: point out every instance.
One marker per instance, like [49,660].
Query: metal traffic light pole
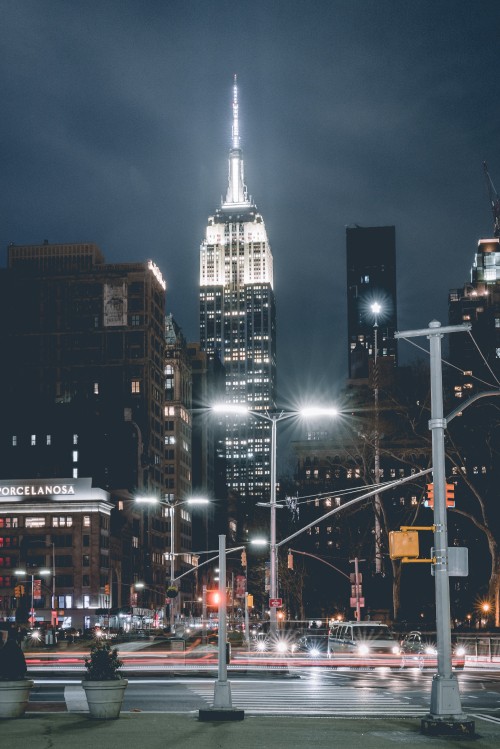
[446,714]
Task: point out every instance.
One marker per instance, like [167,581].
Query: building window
[75,456]
[48,439]
[14,440]
[86,560]
[35,522]
[86,521]
[136,320]
[86,581]
[8,522]
[62,522]
[75,473]
[96,388]
[135,386]
[33,440]
[75,439]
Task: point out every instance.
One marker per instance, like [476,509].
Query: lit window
[35,522]
[14,440]
[96,388]
[75,456]
[75,473]
[75,439]
[86,521]
[135,386]
[33,440]
[49,439]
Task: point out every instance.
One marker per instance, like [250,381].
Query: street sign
[275,603]
[354,603]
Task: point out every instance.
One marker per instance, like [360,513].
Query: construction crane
[494,201]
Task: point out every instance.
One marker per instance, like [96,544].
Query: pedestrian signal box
[403,544]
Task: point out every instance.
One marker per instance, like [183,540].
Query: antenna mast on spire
[236,126]
[494,201]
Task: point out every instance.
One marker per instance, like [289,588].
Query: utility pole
[446,714]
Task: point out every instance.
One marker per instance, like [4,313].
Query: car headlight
[363,649]
[460,651]
[281,647]
[396,650]
[261,646]
[314,652]
[429,650]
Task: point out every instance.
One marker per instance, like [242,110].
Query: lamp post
[376,309]
[446,714]
[273,419]
[43,572]
[171,506]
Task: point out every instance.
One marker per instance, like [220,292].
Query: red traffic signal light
[213,598]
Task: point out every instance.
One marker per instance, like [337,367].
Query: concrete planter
[105,698]
[14,696]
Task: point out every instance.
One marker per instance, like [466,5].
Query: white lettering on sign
[33,490]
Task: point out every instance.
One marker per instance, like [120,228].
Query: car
[419,650]
[313,645]
[364,640]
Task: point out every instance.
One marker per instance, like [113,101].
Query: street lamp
[376,309]
[171,506]
[273,419]
[43,572]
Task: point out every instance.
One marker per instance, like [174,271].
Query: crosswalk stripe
[300,698]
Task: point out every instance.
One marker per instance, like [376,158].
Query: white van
[363,639]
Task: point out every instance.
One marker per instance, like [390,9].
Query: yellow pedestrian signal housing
[403,544]
[106,589]
[290,560]
[250,600]
[243,558]
[19,591]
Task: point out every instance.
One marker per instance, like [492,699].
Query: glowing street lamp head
[197,501]
[376,308]
[230,408]
[146,499]
[259,542]
[318,411]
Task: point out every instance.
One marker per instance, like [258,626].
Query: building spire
[236,191]
[236,127]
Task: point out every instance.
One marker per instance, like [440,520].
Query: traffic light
[213,598]
[19,591]
[290,560]
[430,496]
[106,589]
[243,558]
[450,495]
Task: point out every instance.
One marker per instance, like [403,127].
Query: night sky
[116,125]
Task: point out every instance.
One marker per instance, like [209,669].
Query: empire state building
[238,324]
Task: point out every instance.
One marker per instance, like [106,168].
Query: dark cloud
[116,122]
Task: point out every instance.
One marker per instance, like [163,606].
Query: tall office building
[82,400]
[237,323]
[477,358]
[371,278]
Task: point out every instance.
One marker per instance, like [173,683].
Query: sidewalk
[161,731]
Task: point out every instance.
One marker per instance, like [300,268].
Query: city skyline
[116,128]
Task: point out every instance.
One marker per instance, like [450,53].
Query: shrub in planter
[14,686]
[104,686]
[103,663]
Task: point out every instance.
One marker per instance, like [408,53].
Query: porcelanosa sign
[44,488]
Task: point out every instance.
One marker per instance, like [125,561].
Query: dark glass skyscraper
[371,279]
[237,323]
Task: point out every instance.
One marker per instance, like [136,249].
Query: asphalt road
[311,692]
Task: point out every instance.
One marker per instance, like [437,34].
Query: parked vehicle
[419,651]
